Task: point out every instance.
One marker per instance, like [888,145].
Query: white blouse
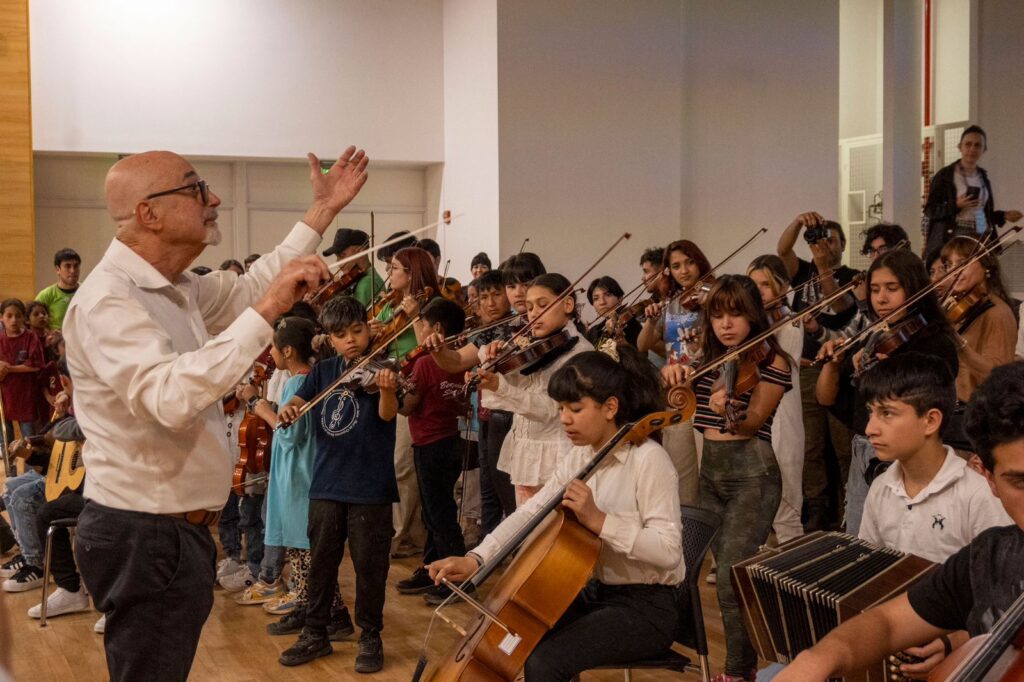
[637,489]
[536,438]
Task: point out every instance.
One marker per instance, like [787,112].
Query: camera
[817,233]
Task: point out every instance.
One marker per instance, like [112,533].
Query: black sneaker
[9,568]
[309,647]
[289,624]
[340,626]
[436,595]
[28,578]
[370,658]
[417,583]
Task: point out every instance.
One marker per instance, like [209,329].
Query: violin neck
[512,545]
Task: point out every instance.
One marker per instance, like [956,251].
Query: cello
[556,560]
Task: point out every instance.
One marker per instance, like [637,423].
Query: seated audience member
[973,588]
[57,296]
[249,260]
[233,265]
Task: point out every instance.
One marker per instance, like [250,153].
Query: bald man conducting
[152,348]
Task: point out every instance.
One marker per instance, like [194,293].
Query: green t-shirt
[57,301]
[401,346]
[362,290]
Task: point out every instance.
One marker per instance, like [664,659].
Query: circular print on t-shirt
[340,413]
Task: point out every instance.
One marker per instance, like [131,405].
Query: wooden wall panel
[17,218]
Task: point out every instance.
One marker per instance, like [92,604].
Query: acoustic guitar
[66,471]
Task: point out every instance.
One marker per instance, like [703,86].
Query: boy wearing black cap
[348,242]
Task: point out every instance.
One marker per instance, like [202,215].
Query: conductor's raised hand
[333,190]
[290,285]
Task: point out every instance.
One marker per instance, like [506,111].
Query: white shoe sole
[22,587]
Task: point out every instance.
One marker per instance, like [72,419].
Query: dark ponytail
[296,332]
[596,375]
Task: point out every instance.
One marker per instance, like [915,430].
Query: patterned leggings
[298,561]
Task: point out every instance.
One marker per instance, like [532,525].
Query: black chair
[70,524]
[699,530]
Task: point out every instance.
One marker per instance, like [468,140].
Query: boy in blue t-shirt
[352,490]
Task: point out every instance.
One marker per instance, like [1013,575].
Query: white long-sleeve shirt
[637,489]
[151,360]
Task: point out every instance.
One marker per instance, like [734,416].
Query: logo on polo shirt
[938,520]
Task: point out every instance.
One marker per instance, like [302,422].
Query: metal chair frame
[55,525]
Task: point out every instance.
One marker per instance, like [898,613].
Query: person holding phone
[960,197]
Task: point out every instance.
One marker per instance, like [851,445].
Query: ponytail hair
[296,332]
[598,376]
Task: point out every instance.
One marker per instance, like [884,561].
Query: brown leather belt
[199,517]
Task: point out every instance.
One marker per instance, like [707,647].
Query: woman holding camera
[960,197]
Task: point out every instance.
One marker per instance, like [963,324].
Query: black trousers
[62,560]
[368,529]
[606,624]
[497,494]
[153,577]
[438,466]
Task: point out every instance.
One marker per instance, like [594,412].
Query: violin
[365,377]
[450,290]
[959,307]
[335,286]
[401,318]
[385,298]
[254,438]
[890,339]
[997,656]
[523,357]
[693,301]
[557,558]
[740,376]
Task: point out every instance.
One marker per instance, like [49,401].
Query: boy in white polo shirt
[929,502]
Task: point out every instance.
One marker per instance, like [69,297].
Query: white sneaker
[101,625]
[228,566]
[60,602]
[236,582]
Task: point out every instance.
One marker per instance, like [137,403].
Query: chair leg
[705,668]
[627,675]
[46,575]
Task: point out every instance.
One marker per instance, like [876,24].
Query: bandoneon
[794,595]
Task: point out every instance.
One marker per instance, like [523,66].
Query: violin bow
[997,244]
[571,289]
[706,277]
[373,268]
[445,220]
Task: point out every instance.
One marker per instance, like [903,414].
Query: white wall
[470,175]
[860,68]
[253,78]
[951,51]
[1000,103]
[760,120]
[590,126]
[260,201]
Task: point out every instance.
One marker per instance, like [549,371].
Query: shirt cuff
[303,239]
[619,532]
[251,332]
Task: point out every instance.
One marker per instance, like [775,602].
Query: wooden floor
[235,646]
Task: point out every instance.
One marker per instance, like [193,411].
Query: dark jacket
[941,209]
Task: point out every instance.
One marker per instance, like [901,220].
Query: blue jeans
[273,556]
[856,485]
[23,497]
[242,516]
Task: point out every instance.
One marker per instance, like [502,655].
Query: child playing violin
[979,308]
[673,330]
[893,278]
[739,478]
[411,271]
[532,447]
[293,451]
[628,610]
[351,491]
